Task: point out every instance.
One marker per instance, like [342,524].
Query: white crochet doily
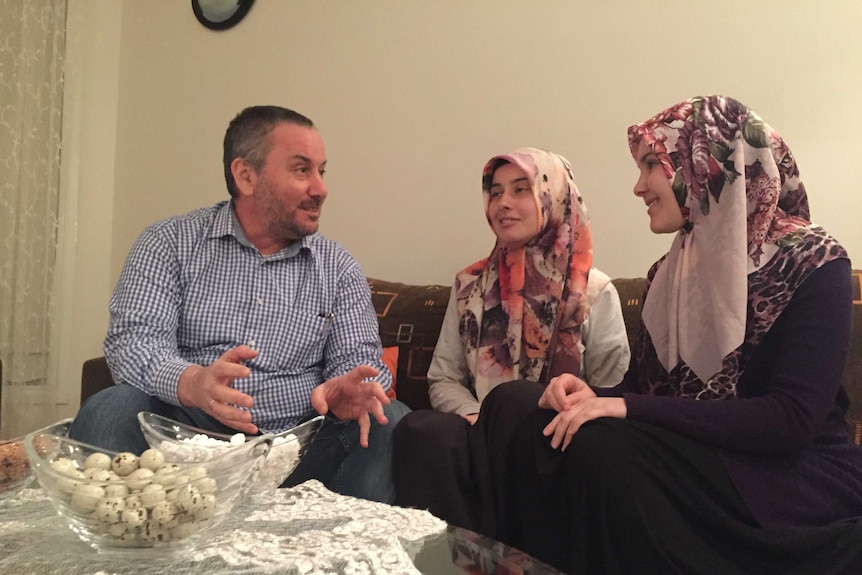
[303,530]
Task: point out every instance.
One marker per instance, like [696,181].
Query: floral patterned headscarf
[746,220]
[521,309]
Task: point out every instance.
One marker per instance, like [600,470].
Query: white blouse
[604,349]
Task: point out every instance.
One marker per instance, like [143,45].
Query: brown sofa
[410,317]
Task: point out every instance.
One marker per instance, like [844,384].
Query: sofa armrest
[95,376]
[853,371]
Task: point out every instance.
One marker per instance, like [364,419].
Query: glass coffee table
[462,551]
[302,530]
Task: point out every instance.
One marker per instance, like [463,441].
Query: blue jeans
[109,420]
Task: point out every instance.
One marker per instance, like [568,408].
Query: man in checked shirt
[241,317]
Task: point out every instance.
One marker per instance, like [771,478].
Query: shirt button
[251,343]
[259,301]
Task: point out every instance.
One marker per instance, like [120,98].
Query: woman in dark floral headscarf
[724,449]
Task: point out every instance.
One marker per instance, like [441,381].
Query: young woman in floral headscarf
[534,309]
[724,449]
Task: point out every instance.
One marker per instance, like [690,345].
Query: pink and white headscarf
[522,309]
[746,220]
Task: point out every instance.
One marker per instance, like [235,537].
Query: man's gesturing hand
[349,397]
[211,389]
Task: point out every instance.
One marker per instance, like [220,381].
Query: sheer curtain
[32,46]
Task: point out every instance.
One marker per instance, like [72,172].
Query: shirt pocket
[299,341]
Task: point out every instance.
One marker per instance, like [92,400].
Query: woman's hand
[471,418]
[568,422]
[565,391]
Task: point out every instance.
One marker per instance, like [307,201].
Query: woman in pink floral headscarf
[534,309]
[724,449]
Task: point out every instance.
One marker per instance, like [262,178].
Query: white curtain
[32,46]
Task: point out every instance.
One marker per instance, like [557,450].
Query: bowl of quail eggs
[116,501]
[185,444]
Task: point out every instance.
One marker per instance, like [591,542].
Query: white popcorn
[282,458]
[279,463]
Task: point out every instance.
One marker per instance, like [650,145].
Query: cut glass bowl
[175,506]
[184,443]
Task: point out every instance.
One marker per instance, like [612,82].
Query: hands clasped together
[347,396]
[576,404]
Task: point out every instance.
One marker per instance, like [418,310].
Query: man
[241,317]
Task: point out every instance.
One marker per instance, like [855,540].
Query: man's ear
[244,176]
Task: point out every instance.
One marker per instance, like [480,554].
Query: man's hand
[211,389]
[565,391]
[349,397]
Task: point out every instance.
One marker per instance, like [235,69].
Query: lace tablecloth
[303,530]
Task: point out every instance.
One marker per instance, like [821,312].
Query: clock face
[220,14]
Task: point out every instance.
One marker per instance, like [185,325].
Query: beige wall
[413,96]
[88,168]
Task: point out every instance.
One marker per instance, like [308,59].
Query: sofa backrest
[410,318]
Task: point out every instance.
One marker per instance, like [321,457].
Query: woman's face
[512,207]
[665,216]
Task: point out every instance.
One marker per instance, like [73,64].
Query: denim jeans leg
[367,472]
[336,459]
[109,419]
[327,451]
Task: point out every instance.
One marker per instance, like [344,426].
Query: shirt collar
[227,224]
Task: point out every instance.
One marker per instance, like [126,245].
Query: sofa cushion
[95,376]
[390,360]
[410,317]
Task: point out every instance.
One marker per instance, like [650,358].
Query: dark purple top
[784,440]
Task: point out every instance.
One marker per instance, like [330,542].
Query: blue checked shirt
[193,287]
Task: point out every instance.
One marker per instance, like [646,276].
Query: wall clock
[220,14]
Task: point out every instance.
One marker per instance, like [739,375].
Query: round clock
[220,14]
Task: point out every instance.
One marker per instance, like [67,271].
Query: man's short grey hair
[247,137]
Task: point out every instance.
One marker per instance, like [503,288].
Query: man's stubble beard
[281,223]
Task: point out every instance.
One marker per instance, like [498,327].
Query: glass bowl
[183,443]
[16,473]
[120,501]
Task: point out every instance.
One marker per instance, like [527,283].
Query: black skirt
[629,497]
[441,463]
